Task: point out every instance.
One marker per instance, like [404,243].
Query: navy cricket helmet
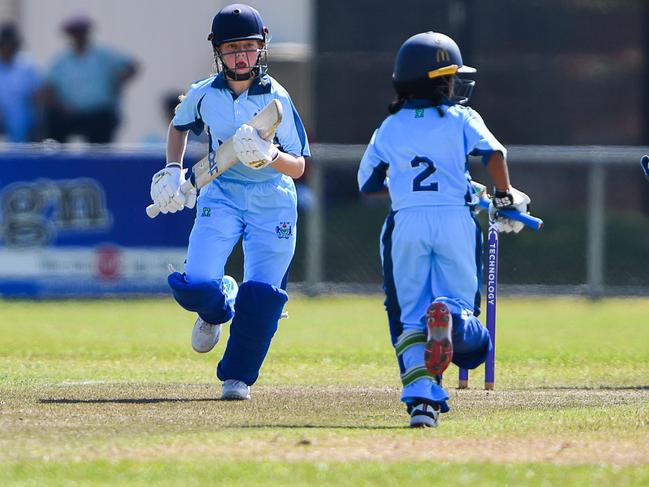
[423,59]
[237,22]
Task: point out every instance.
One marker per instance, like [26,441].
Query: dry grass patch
[130,421]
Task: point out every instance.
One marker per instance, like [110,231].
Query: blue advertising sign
[73,223]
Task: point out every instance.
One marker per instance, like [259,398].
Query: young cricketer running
[254,200]
[431,244]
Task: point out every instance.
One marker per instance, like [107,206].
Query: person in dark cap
[79,23]
[20,82]
[85,84]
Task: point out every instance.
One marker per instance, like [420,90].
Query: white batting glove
[512,199]
[190,196]
[165,190]
[251,149]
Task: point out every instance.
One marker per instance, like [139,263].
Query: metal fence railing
[594,200]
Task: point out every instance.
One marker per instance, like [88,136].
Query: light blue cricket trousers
[431,253]
[435,251]
[264,213]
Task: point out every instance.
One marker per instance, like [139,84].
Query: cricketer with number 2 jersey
[431,243]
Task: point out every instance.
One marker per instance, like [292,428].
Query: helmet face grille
[260,67]
[462,91]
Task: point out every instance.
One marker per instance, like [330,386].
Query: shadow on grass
[228,427]
[151,400]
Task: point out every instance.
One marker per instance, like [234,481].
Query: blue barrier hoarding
[73,223]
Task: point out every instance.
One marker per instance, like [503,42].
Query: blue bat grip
[533,222]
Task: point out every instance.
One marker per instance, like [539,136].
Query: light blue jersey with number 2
[425,155]
[431,245]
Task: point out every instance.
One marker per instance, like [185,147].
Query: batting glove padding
[477,192]
[512,199]
[251,149]
[166,192]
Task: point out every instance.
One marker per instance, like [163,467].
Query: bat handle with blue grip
[526,219]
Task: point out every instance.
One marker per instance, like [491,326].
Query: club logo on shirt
[284,230]
[206,212]
[419,113]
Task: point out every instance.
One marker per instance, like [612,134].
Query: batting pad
[409,339]
[204,298]
[471,340]
[258,308]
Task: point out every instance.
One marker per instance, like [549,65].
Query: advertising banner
[73,223]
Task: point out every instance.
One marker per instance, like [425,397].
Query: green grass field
[110,392]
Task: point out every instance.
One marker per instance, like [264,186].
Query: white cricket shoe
[424,416]
[235,390]
[205,335]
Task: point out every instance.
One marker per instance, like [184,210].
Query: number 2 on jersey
[429,169]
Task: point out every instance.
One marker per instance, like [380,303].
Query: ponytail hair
[436,90]
[396,104]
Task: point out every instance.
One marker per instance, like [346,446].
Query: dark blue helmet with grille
[239,22]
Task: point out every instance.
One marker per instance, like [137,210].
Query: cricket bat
[216,163]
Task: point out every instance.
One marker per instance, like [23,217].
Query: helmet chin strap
[231,74]
[234,76]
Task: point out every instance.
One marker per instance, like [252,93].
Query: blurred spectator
[84,86]
[19,86]
[170,101]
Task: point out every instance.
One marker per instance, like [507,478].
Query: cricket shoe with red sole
[438,352]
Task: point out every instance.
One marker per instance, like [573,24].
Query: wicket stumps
[535,224]
[492,294]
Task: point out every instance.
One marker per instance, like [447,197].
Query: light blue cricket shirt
[211,105]
[422,157]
